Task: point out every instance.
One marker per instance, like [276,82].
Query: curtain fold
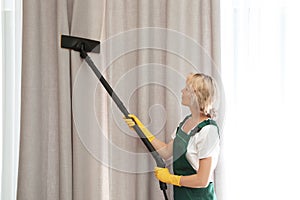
[45,166]
[146,52]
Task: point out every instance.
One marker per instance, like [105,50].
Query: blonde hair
[204,93]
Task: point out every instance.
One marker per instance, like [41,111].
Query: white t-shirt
[203,144]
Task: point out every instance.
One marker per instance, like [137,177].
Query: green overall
[181,165]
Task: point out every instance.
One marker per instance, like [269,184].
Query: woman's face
[185,96]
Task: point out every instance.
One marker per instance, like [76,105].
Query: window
[261,77]
[11,32]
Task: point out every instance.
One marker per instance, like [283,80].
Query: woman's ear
[194,101]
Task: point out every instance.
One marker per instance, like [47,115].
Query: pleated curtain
[73,141]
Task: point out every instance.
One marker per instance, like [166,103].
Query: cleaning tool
[84,46]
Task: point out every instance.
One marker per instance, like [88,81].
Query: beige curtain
[74,144]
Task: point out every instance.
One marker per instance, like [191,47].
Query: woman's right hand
[129,121]
[133,120]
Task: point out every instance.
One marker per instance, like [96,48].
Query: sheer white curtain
[260,69]
[11,26]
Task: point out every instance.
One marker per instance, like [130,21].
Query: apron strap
[202,124]
[181,123]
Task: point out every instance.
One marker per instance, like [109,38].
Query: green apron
[181,165]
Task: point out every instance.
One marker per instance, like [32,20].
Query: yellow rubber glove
[164,175]
[134,120]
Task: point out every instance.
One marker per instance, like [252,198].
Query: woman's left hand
[164,175]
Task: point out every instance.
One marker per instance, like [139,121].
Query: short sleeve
[207,142]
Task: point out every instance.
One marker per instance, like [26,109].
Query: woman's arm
[199,180]
[163,149]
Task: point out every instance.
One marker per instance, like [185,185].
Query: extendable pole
[84,45]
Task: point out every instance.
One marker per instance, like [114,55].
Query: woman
[194,146]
